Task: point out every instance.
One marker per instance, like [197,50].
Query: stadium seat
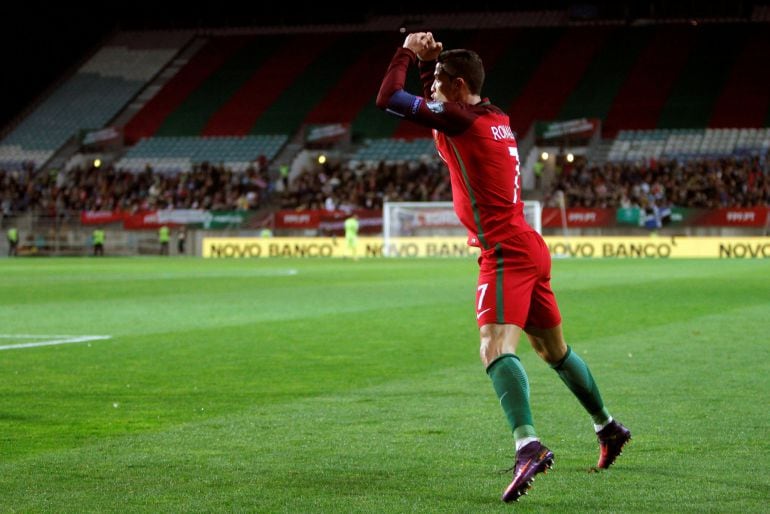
[172,154]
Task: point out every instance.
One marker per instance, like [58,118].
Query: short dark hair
[465,64]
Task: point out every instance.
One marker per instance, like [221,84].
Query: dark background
[39,43]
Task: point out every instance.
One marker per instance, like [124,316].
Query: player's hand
[431,49]
[423,44]
[415,41]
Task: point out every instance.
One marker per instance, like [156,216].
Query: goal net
[427,219]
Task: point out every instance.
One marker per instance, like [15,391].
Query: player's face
[443,85]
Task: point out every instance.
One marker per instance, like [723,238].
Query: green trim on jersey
[499,284]
[474,206]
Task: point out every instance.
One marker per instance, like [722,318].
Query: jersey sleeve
[448,117]
[426,76]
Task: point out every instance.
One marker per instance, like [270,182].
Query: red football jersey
[477,145]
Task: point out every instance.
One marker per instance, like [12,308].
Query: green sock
[574,372]
[512,388]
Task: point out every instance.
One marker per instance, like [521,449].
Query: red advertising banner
[169,217]
[370,221]
[328,222]
[579,217]
[733,217]
[333,222]
[101,217]
[297,219]
[142,220]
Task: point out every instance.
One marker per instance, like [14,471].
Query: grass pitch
[340,386]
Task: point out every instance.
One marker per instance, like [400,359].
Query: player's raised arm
[448,117]
[427,63]
[391,96]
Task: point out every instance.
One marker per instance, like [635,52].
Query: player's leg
[500,317]
[503,281]
[574,372]
[498,354]
[544,330]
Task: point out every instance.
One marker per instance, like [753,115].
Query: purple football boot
[532,459]
[612,438]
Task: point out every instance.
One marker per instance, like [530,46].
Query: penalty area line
[48,340]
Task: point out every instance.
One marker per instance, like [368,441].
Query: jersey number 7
[514,153]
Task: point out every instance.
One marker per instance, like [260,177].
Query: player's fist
[415,41]
[431,48]
[423,44]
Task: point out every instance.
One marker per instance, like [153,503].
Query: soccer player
[351,234]
[514,294]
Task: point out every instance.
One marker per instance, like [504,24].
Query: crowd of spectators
[108,189]
[347,185]
[706,183]
[365,185]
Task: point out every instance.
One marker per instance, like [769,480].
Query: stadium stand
[367,184]
[177,154]
[592,97]
[242,95]
[87,100]
[692,97]
[697,183]
[155,112]
[633,77]
[390,149]
[262,88]
[334,56]
[353,91]
[640,99]
[685,144]
[557,74]
[744,101]
[193,116]
[510,72]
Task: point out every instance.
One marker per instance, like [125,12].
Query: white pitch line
[32,336]
[61,339]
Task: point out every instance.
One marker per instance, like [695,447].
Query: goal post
[434,219]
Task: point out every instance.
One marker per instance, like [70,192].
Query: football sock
[512,387]
[598,427]
[574,372]
[521,443]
